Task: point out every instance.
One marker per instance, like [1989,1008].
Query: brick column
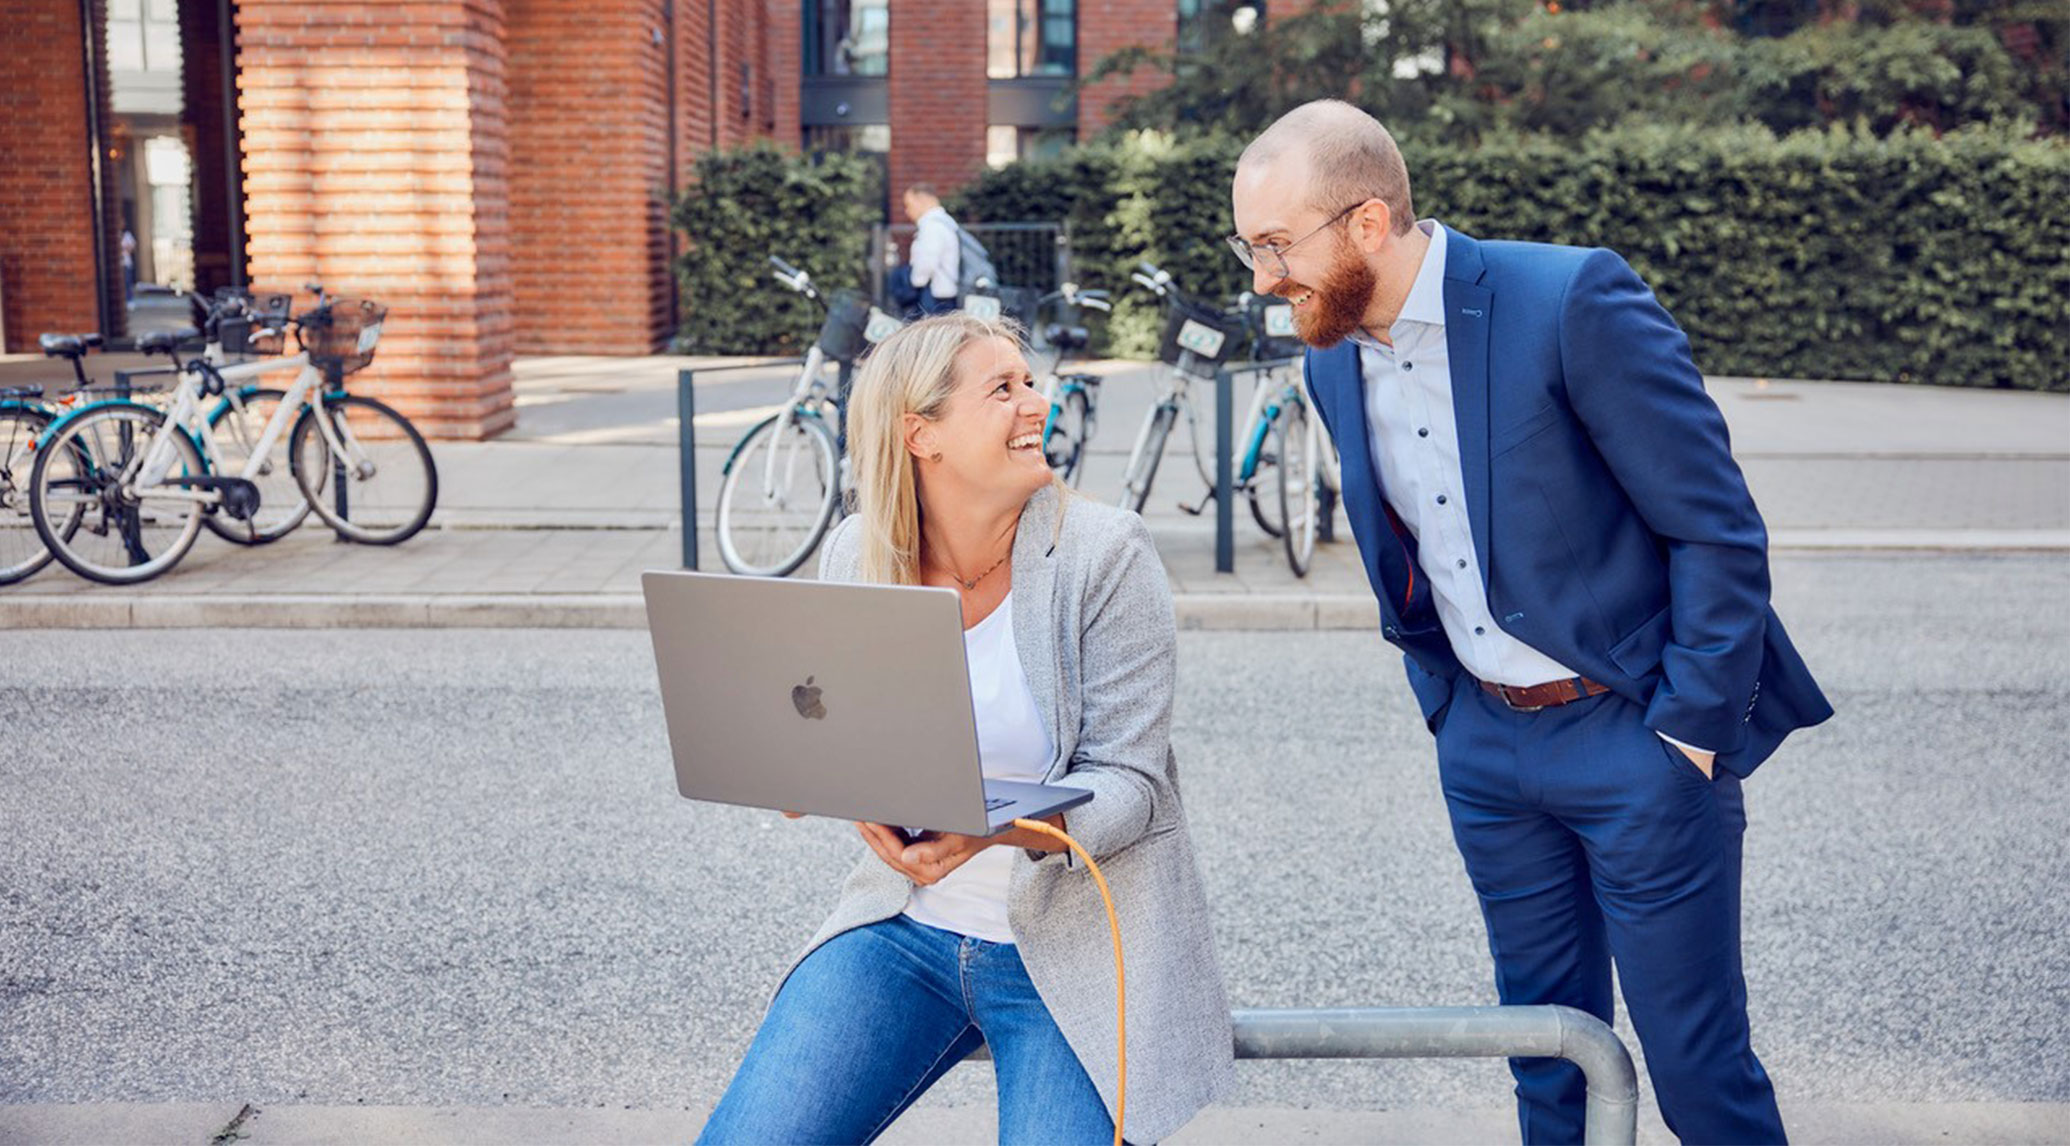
[589,171]
[937,93]
[1108,26]
[46,184]
[377,161]
[786,67]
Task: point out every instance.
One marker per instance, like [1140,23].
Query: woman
[939,945]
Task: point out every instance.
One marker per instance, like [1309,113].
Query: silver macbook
[829,699]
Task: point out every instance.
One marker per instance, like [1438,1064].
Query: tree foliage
[1461,69]
[747,204]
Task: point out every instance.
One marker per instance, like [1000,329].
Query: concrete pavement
[220,1124]
[552,524]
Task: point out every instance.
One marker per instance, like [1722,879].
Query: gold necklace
[973,582]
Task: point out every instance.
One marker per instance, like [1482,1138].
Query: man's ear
[1372,224]
[918,434]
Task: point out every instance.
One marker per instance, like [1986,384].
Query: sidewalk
[551,525]
[199,1124]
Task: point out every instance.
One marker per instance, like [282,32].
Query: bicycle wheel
[87,509]
[1064,441]
[384,487]
[235,425]
[1294,434]
[1142,461]
[22,552]
[778,495]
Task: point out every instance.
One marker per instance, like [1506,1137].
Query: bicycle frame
[805,398]
[146,475]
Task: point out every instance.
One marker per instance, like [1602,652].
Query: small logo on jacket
[1472,312]
[805,698]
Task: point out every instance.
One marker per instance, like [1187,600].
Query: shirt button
[1441,499]
[1408,366]
[1462,562]
[1423,432]
[1478,631]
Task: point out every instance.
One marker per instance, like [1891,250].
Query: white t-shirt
[937,255]
[1013,744]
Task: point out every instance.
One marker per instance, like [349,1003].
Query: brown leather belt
[1548,695]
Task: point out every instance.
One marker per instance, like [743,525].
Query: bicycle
[782,484]
[24,415]
[1074,397]
[1197,339]
[120,489]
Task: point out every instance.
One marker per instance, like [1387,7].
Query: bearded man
[1568,557]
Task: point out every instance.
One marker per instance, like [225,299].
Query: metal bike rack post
[1611,1117]
[686,443]
[1225,439]
[1612,1112]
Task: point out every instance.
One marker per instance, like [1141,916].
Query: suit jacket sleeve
[1635,388]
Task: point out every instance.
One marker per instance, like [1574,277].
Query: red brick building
[494,170]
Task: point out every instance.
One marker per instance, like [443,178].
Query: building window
[1006,143]
[847,37]
[1206,22]
[1031,38]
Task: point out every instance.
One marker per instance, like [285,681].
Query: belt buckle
[1515,707]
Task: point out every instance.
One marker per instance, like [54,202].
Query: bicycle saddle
[1066,337]
[162,341]
[67,345]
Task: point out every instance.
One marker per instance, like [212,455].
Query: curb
[1199,611]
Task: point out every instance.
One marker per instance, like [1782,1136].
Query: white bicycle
[120,489]
[782,485]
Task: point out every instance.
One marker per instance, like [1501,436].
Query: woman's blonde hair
[911,372]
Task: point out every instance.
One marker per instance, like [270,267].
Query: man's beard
[1339,304]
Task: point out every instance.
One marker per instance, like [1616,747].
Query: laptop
[830,699]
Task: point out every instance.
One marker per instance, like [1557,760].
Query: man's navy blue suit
[1615,535]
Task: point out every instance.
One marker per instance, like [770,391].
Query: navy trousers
[1591,840]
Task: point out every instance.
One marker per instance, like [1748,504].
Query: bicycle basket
[1209,335]
[345,335]
[841,338]
[1271,318]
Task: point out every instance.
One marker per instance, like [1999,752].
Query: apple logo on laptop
[806,698]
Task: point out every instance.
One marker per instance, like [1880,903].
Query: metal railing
[1612,1113]
[1035,256]
[1611,1117]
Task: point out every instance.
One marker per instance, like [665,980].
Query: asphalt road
[448,867]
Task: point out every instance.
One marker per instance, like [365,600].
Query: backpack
[972,263]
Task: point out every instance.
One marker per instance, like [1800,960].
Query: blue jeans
[875,1015]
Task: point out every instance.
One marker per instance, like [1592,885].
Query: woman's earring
[937,456]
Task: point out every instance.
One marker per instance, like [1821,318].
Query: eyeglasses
[1271,256]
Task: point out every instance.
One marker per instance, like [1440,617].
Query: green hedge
[748,204]
[1818,255]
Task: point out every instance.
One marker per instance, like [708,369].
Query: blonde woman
[939,945]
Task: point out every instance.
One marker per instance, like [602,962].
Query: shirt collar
[1426,301]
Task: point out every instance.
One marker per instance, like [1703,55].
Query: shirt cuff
[1681,745]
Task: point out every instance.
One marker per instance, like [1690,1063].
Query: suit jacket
[1092,622]
[1615,533]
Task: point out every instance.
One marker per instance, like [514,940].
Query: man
[927,283]
[1567,555]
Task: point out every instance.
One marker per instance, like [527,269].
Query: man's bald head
[1350,158]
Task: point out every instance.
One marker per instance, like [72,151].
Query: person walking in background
[927,283]
[1564,549]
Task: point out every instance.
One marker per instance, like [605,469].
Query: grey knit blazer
[1092,619]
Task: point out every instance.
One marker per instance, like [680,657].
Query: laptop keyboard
[994,803]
